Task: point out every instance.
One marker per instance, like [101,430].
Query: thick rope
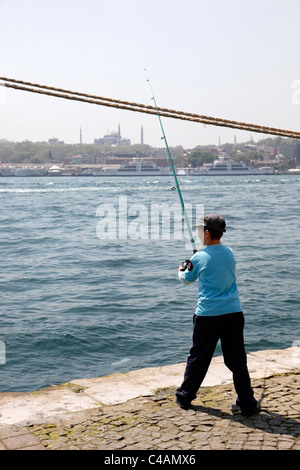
[142,108]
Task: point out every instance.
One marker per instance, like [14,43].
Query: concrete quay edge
[22,409]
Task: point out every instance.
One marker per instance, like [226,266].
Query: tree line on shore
[38,153]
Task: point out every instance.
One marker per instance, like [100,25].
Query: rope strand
[142,108]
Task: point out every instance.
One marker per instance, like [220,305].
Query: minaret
[119,134]
[142,135]
[80,136]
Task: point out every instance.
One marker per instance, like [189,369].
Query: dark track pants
[206,333]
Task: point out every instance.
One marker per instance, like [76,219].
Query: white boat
[224,166]
[25,171]
[137,167]
[294,171]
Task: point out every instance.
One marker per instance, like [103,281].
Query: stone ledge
[88,394]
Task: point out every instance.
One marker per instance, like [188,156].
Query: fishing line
[173,169]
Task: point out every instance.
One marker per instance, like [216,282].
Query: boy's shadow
[267,421]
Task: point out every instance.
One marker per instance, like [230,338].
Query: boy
[218,316]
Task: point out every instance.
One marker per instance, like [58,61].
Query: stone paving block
[21,441]
[11,431]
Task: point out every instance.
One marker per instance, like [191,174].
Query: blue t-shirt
[214,266]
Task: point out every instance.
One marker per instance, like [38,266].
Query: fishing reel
[186,264]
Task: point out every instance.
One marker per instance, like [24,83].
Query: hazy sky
[230,59]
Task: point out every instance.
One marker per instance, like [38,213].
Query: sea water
[75,304]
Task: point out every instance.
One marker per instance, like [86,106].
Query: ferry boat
[137,167]
[224,166]
[25,171]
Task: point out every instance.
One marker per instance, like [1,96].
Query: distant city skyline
[113,134]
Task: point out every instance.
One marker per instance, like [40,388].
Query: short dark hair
[214,234]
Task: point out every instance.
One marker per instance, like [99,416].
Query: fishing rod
[173,170]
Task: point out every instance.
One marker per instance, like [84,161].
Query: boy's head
[214,223]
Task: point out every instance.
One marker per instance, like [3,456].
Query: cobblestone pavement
[157,423]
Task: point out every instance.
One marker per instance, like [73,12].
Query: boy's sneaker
[248,409]
[183,403]
[251,411]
